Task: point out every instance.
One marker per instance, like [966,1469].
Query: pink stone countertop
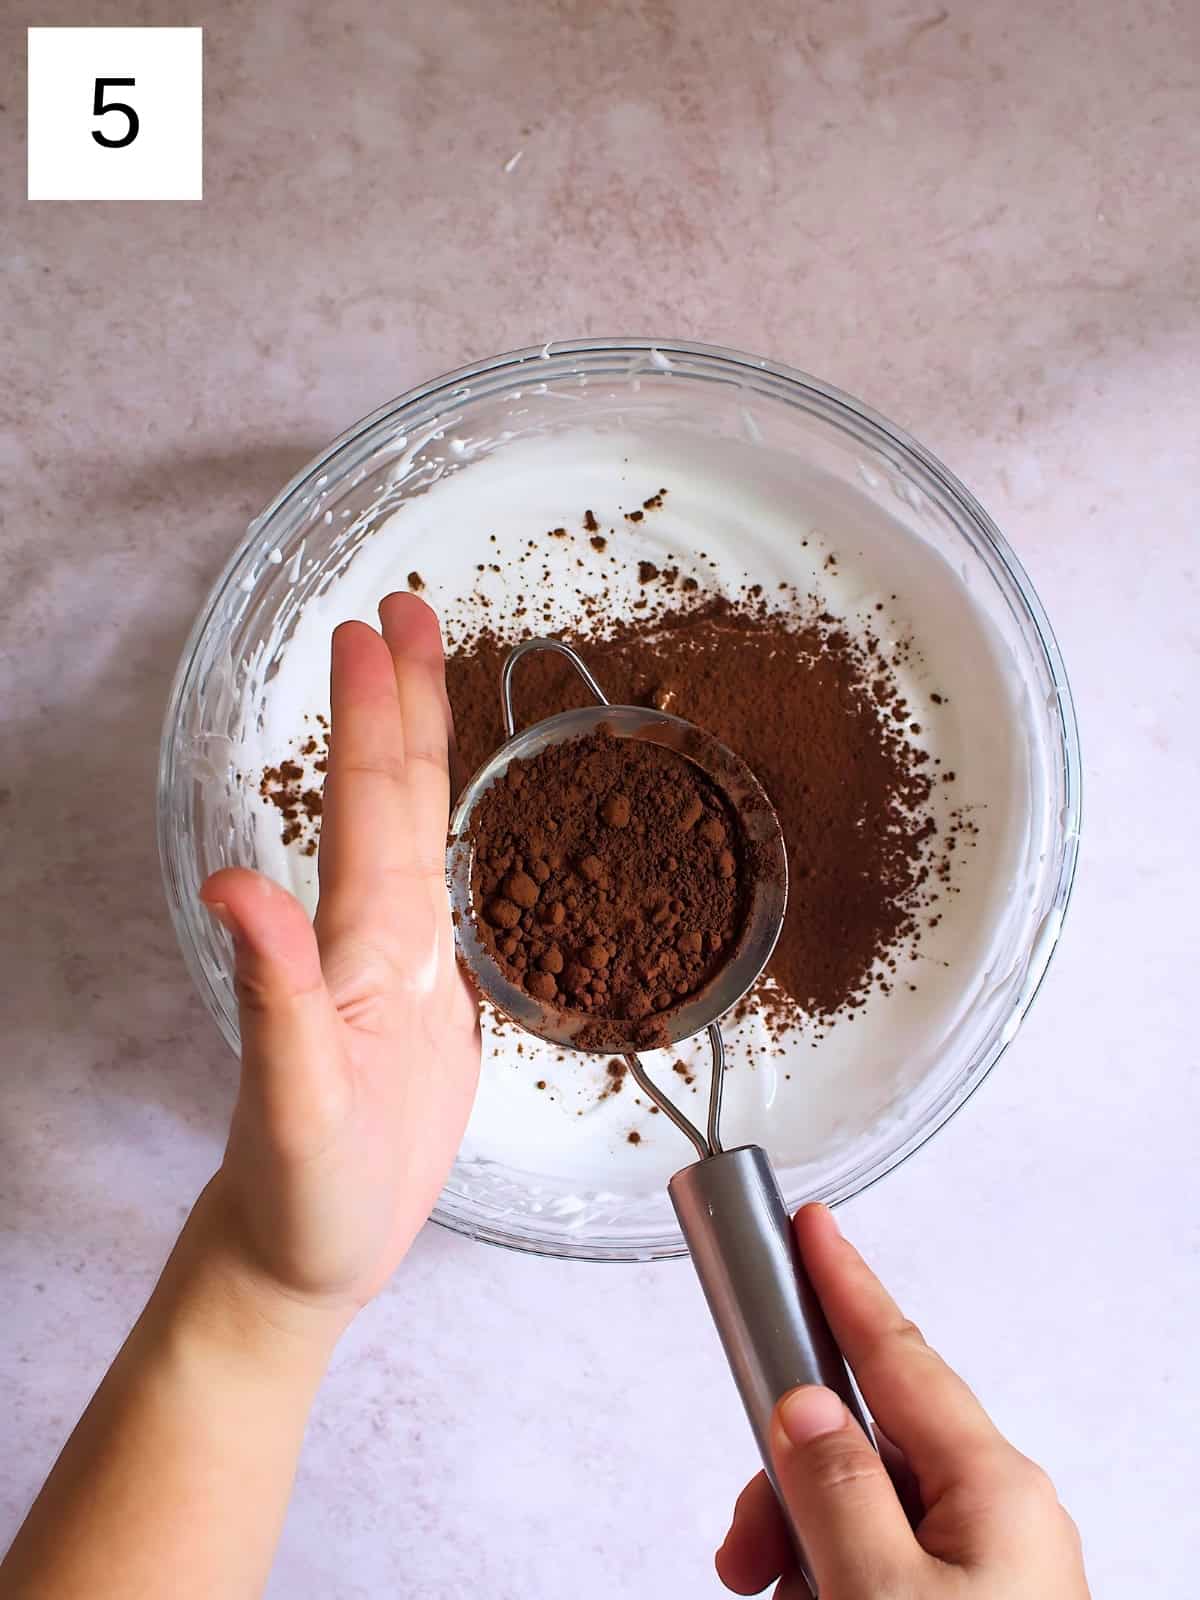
[982,218]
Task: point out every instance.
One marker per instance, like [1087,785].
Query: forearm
[177,1476]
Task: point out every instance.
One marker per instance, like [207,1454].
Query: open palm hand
[360,1037]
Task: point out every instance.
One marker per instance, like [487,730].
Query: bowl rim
[832,405]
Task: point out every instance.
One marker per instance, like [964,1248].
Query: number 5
[99,109]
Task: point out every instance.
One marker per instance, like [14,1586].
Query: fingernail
[220,911]
[810,1412]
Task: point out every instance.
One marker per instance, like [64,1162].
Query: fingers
[411,632]
[363,821]
[923,1406]
[856,1533]
[854,1530]
[290,1045]
[757,1547]
[377,832]
[904,1481]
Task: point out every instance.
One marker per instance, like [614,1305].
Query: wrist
[212,1287]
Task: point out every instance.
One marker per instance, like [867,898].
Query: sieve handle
[555,647]
[765,1308]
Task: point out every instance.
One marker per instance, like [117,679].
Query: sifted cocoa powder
[296,789]
[609,875]
[815,714]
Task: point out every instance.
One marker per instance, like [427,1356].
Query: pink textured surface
[981,218]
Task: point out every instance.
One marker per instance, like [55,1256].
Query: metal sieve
[728,1202]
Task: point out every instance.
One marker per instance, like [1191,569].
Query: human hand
[360,1038]
[988,1524]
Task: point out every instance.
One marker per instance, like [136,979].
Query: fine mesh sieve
[763,849]
[728,1202]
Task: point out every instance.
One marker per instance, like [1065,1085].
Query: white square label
[115,114]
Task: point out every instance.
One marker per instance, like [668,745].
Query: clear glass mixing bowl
[401,451]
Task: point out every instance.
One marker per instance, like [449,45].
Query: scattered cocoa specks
[633,1136]
[589,522]
[614,1077]
[634,516]
[416,582]
[291,788]
[598,542]
[647,572]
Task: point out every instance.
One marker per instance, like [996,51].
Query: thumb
[289,1024]
[839,1497]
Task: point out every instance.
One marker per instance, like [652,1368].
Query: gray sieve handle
[766,1311]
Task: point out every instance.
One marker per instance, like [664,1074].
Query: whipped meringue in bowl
[769,473]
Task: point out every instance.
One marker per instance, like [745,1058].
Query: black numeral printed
[100,109]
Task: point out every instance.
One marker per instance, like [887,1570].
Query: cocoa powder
[296,789]
[608,873]
[815,713]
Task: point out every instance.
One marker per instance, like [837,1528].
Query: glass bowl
[742,411]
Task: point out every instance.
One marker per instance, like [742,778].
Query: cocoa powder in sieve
[608,875]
